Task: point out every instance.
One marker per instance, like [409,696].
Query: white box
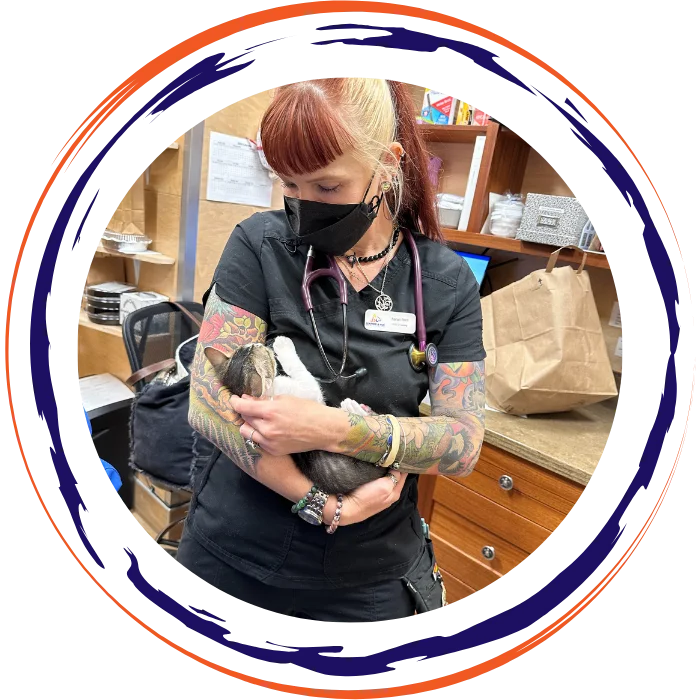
[552,220]
[449,218]
[130,301]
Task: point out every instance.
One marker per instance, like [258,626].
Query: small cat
[252,370]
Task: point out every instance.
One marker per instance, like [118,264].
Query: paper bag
[545,350]
[130,216]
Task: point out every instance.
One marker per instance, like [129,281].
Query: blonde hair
[309,124]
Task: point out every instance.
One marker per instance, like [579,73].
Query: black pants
[386,600]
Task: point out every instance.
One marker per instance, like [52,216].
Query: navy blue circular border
[324,659]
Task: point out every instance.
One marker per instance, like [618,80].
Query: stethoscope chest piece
[420,358]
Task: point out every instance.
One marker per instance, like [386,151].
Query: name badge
[390,321]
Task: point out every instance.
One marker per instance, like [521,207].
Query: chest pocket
[280,306]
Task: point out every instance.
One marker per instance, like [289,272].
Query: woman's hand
[288,424]
[371,498]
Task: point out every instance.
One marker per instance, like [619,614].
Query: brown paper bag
[544,343]
[130,216]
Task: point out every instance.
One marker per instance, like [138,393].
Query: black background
[635,640]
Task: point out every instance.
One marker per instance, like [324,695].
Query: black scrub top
[250,526]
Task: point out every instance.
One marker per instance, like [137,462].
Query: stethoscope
[421,356]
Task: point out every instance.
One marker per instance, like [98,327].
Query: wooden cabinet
[156,508]
[485,524]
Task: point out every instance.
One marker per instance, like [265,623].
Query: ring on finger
[393,478]
[250,442]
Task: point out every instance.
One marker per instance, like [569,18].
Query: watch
[312,513]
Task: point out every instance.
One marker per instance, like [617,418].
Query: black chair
[151,336]
[153,333]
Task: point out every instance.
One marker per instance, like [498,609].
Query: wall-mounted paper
[235,173]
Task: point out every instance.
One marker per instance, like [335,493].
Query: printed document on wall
[235,173]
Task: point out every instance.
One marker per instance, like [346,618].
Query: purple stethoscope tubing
[310,276]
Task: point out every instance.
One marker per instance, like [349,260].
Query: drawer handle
[505,482]
[488,552]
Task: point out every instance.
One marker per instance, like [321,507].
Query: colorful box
[463,113]
[438,108]
[480,118]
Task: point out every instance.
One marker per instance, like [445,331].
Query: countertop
[569,444]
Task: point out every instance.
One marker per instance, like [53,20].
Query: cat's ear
[216,357]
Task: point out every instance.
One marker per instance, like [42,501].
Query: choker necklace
[352,258]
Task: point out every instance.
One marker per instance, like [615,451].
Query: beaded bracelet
[301,503]
[336,518]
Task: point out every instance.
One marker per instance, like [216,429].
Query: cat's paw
[283,344]
[351,406]
[286,353]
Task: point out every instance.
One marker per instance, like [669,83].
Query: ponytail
[418,202]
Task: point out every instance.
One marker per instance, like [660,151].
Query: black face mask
[331,228]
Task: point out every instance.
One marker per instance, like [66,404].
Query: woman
[355,177]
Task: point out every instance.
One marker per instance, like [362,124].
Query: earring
[386,186]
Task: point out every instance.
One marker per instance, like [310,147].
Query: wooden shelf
[481,240]
[87,323]
[452,133]
[150,256]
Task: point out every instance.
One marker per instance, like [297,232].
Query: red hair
[310,124]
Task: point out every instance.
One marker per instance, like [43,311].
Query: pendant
[383,302]
[352,259]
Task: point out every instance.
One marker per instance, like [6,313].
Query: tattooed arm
[210,412]
[447,442]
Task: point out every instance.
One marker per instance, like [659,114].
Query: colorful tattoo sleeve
[447,442]
[223,327]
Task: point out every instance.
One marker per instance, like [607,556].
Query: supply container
[552,220]
[449,209]
[506,216]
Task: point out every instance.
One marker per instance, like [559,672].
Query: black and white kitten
[252,370]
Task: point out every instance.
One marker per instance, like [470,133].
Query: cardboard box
[438,108]
[130,301]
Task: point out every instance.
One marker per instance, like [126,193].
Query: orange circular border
[139,79]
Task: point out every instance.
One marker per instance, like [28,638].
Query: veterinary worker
[354,172]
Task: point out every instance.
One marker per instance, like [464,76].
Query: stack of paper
[101,390]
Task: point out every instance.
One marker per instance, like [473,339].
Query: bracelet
[393,442]
[301,503]
[397,463]
[389,442]
[336,518]
[312,513]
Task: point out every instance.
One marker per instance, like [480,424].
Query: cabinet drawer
[529,479]
[511,527]
[454,588]
[156,513]
[470,538]
[169,498]
[522,486]
[514,500]
[461,566]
